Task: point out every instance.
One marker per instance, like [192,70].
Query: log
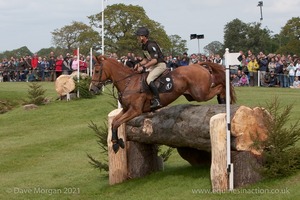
[136,160]
[218,169]
[246,168]
[188,126]
[142,159]
[64,85]
[117,163]
[177,126]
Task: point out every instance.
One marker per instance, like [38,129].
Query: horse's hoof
[115,147]
[121,143]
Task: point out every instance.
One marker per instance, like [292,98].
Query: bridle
[101,71]
[128,78]
[103,83]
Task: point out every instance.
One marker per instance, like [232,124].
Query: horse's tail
[219,74]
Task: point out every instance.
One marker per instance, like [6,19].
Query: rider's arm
[153,61]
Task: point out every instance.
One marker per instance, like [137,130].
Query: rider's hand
[140,69]
[136,67]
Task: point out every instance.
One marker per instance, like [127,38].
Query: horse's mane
[104,59]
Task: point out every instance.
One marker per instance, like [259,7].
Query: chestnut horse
[197,82]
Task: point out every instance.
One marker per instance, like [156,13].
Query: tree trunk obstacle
[199,134]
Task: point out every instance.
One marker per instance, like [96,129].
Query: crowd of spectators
[272,70]
[37,68]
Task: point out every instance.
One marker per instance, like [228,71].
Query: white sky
[30,22]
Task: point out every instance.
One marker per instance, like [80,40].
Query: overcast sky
[30,22]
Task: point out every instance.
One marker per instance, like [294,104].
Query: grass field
[44,153]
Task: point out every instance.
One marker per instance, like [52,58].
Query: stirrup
[155,104]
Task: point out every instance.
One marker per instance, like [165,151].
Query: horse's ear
[102,57]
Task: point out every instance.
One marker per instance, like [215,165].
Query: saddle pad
[164,82]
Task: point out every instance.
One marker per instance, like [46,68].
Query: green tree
[241,36]
[120,23]
[178,45]
[214,47]
[16,53]
[235,33]
[76,35]
[258,39]
[290,37]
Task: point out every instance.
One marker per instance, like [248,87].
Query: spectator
[184,60]
[82,65]
[40,70]
[279,70]
[168,60]
[285,78]
[58,66]
[52,62]
[66,65]
[174,63]
[34,64]
[296,83]
[272,64]
[244,80]
[45,68]
[263,67]
[194,59]
[272,80]
[218,59]
[252,68]
[75,63]
[235,80]
[292,71]
[298,68]
[21,69]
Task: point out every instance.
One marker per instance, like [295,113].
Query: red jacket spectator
[34,61]
[82,66]
[58,64]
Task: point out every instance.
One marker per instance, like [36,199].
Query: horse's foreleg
[118,120]
[117,143]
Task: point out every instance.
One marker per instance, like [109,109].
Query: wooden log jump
[194,128]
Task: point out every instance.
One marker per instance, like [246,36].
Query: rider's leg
[155,72]
[156,100]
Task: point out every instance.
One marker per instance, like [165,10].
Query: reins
[114,83]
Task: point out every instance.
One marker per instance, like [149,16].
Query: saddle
[211,74]
[164,82]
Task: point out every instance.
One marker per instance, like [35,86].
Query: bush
[83,86]
[281,155]
[36,94]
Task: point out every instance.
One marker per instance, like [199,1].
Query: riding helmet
[142,31]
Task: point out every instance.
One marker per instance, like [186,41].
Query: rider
[153,62]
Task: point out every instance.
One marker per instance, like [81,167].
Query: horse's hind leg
[212,93]
[221,100]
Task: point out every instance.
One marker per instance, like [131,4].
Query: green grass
[45,150]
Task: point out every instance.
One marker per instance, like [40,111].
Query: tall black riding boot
[156,100]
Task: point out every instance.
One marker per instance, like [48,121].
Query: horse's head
[99,77]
